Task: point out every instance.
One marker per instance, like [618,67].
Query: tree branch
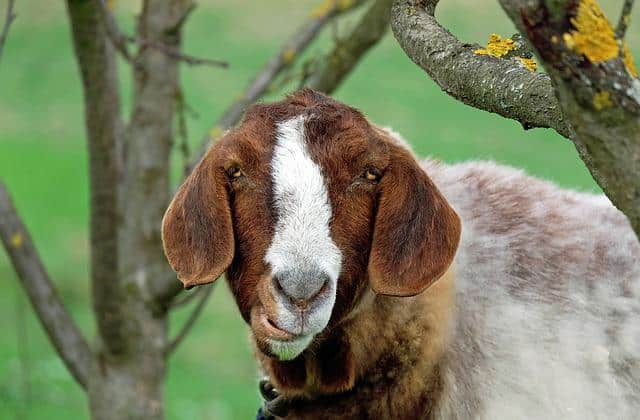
[118,38]
[348,52]
[177,55]
[9,18]
[97,64]
[597,89]
[625,18]
[492,84]
[145,193]
[189,323]
[56,321]
[121,41]
[291,49]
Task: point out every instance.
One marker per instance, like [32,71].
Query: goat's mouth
[275,342]
[265,328]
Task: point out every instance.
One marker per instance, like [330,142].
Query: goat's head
[306,205]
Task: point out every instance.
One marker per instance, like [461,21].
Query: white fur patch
[302,241]
[289,350]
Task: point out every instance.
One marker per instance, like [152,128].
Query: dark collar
[273,404]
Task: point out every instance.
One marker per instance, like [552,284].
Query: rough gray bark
[350,49]
[600,99]
[596,105]
[97,65]
[136,372]
[129,172]
[56,321]
[500,86]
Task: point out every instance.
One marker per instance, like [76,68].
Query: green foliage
[43,161]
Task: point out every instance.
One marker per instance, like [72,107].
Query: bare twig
[186,298]
[189,323]
[285,57]
[119,39]
[177,55]
[182,131]
[625,18]
[9,18]
[492,84]
[350,49]
[58,324]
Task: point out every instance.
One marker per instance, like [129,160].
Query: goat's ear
[197,233]
[416,232]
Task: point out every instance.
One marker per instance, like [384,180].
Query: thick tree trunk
[130,190]
[131,387]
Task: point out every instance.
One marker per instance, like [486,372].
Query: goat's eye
[234,172]
[372,174]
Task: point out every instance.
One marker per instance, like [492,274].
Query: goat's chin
[288,350]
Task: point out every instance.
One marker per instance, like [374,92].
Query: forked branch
[501,86]
[597,86]
[591,94]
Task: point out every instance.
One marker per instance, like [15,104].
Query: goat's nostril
[324,285]
[277,284]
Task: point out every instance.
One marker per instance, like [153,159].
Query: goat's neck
[388,345]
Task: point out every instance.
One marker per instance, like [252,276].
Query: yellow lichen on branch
[602,100]
[529,63]
[16,240]
[594,36]
[628,60]
[327,6]
[497,46]
[288,55]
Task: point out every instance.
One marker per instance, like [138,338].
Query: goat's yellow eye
[372,174]
[234,172]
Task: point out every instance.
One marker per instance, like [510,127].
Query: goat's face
[306,206]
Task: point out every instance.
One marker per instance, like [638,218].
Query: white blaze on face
[302,248]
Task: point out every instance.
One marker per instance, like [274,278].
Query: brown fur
[397,237]
[397,368]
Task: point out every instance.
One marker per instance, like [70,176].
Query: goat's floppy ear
[416,232]
[197,233]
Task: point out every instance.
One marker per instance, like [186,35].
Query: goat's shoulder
[548,287]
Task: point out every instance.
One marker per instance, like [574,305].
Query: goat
[367,299]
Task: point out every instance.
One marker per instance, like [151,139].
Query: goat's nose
[301,288]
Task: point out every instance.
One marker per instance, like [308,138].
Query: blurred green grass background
[43,161]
